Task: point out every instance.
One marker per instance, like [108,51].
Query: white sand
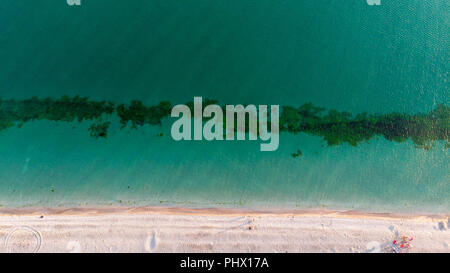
[214,230]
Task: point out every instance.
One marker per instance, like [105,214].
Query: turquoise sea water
[343,55]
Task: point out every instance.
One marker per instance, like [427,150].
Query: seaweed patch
[333,126]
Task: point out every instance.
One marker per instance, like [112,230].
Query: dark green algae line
[333,126]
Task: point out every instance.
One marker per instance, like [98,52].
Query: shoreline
[174,210]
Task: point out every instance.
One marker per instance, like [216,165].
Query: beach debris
[402,244]
[42,216]
[251,227]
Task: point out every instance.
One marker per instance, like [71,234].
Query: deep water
[343,55]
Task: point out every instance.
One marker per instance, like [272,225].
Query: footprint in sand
[373,247]
[73,247]
[394,230]
[151,242]
[326,222]
[442,226]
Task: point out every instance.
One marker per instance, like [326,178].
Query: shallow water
[343,55]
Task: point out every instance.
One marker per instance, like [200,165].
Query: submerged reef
[138,114]
[333,126]
[341,127]
[65,109]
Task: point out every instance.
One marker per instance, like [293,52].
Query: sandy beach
[158,229]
